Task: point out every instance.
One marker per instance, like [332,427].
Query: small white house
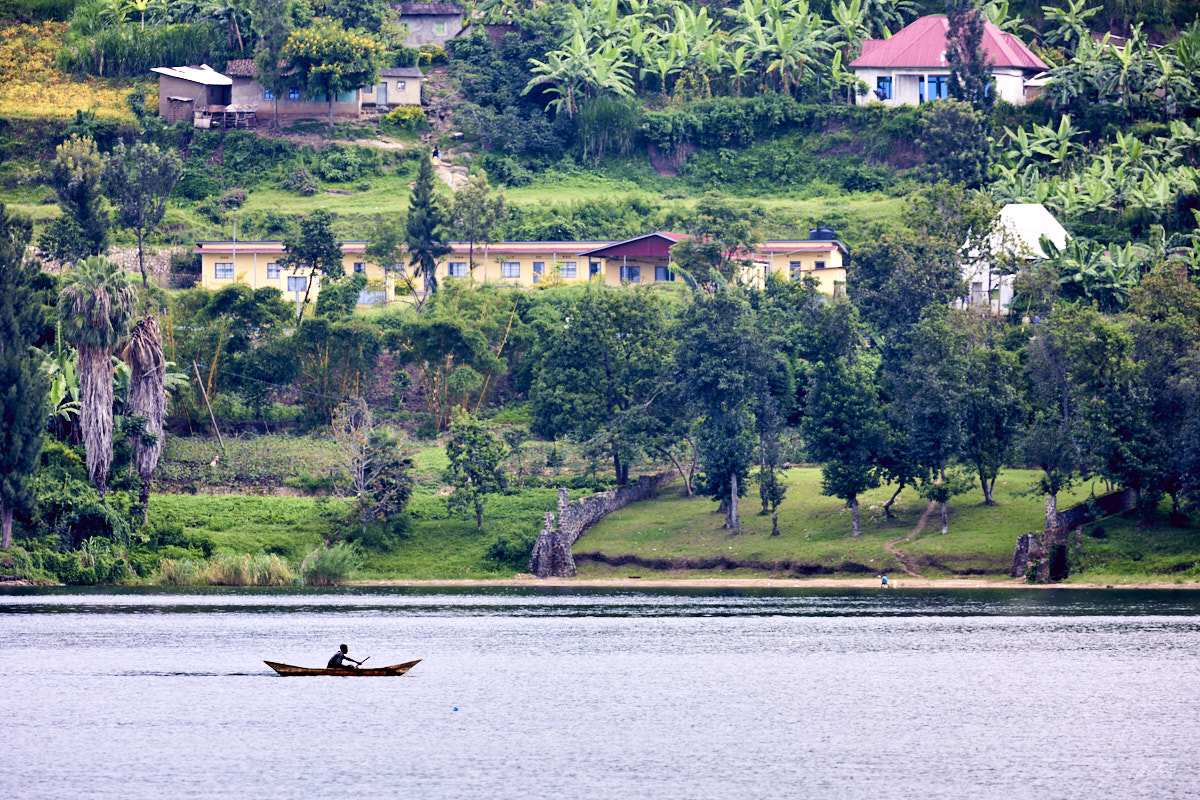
[1018,234]
[910,68]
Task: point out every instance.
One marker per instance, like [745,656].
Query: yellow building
[641,260]
[256,264]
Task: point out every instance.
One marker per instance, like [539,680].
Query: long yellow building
[641,260]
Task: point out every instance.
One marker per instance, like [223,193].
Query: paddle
[362,662]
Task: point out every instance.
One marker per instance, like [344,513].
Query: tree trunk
[687,482]
[617,468]
[1052,511]
[887,507]
[774,521]
[987,485]
[275,123]
[95,413]
[479,516]
[6,515]
[945,517]
[733,502]
[854,515]
[331,109]
[141,236]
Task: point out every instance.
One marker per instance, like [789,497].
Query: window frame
[883,87]
[457,269]
[294,94]
[510,270]
[297,283]
[570,270]
[223,270]
[360,266]
[272,270]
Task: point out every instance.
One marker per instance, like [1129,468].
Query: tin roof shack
[203,85]
[430,23]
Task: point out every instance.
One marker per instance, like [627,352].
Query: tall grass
[329,566]
[262,569]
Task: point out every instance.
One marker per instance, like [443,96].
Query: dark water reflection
[602,694]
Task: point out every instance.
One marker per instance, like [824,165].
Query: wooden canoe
[395,669]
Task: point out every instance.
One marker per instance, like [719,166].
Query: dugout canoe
[287,670]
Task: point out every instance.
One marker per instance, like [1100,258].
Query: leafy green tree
[1066,28]
[600,371]
[721,369]
[96,305]
[439,346]
[311,246]
[927,375]
[1166,333]
[326,59]
[993,408]
[76,174]
[377,470]
[895,278]
[843,423]
[970,73]
[273,24]
[476,465]
[138,182]
[424,229]
[477,216]
[724,235]
[954,138]
[23,385]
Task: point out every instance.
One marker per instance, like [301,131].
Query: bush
[185,263]
[329,566]
[504,170]
[432,54]
[301,181]
[511,550]
[338,164]
[428,429]
[410,118]
[196,182]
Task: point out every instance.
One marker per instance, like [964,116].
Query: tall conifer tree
[23,387]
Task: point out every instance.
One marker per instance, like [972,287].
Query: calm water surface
[602,694]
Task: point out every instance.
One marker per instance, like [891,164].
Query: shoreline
[761,583]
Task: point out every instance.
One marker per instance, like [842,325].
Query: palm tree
[96,306]
[147,399]
[1070,25]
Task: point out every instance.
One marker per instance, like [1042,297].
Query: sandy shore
[772,583]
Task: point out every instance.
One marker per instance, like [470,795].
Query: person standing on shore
[884,585]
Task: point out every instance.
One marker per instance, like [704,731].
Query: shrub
[329,566]
[185,263]
[196,182]
[511,549]
[232,199]
[301,181]
[338,164]
[181,572]
[408,117]
[436,55]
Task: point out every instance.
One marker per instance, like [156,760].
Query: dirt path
[906,562]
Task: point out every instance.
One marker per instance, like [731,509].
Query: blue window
[360,266]
[883,88]
[268,94]
[663,274]
[939,87]
[293,94]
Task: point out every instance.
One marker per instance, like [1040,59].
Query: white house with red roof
[910,68]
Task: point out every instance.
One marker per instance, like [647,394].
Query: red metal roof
[923,44]
[652,245]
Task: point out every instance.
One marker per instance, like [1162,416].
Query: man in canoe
[340,658]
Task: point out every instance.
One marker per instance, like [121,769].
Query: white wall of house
[910,85]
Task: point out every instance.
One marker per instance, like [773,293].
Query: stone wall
[552,552]
[1046,551]
[1097,507]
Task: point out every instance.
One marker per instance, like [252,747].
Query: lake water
[602,694]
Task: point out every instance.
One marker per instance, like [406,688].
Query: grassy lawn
[1120,549]
[288,526]
[816,529]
